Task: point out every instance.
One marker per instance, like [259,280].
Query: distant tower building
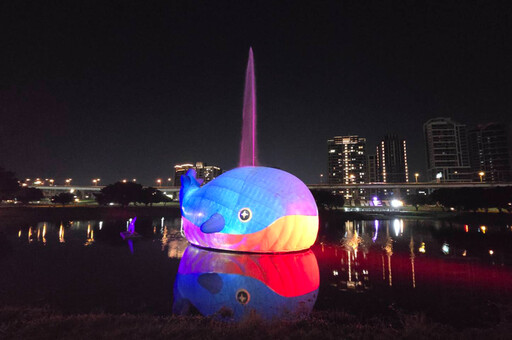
[346,161]
[391,159]
[447,151]
[371,174]
[489,147]
[207,172]
[180,169]
[371,169]
[203,171]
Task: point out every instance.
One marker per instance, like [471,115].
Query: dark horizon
[117,90]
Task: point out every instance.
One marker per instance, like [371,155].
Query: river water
[454,273]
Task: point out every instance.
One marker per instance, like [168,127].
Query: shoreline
[19,214]
[24,214]
[449,216]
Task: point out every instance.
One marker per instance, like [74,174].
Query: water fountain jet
[248,150]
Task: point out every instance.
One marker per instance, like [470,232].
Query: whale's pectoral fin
[212,282]
[214,224]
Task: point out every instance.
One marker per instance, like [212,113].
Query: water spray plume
[248,153]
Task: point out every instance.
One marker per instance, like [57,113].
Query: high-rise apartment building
[447,151]
[489,147]
[346,161]
[207,172]
[371,174]
[391,160]
[203,171]
[371,169]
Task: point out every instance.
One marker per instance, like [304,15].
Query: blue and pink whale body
[251,209]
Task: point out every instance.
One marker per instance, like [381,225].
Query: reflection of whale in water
[228,285]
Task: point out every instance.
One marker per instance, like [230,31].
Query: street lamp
[134,180]
[159,182]
[95,182]
[481,174]
[68,181]
[124,180]
[416,175]
[439,175]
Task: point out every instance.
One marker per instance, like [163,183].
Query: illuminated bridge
[53,190]
[416,186]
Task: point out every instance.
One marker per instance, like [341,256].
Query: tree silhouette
[501,198]
[121,193]
[151,195]
[63,198]
[26,195]
[148,196]
[101,199]
[8,184]
[473,198]
[416,200]
[162,198]
[326,199]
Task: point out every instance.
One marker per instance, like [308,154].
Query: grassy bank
[30,323]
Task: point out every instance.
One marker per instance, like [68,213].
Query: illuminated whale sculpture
[233,285]
[250,209]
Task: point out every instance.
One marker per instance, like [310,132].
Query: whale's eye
[243,297]
[245,215]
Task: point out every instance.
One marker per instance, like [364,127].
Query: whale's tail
[189,184]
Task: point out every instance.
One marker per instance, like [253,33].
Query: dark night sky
[128,89]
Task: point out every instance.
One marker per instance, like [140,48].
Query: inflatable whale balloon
[250,209]
[230,286]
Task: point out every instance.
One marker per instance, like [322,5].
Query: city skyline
[470,173]
[113,92]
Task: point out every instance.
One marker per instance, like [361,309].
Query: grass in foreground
[35,323]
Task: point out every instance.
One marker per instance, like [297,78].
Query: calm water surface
[455,273]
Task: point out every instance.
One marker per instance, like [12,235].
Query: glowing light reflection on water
[365,266]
